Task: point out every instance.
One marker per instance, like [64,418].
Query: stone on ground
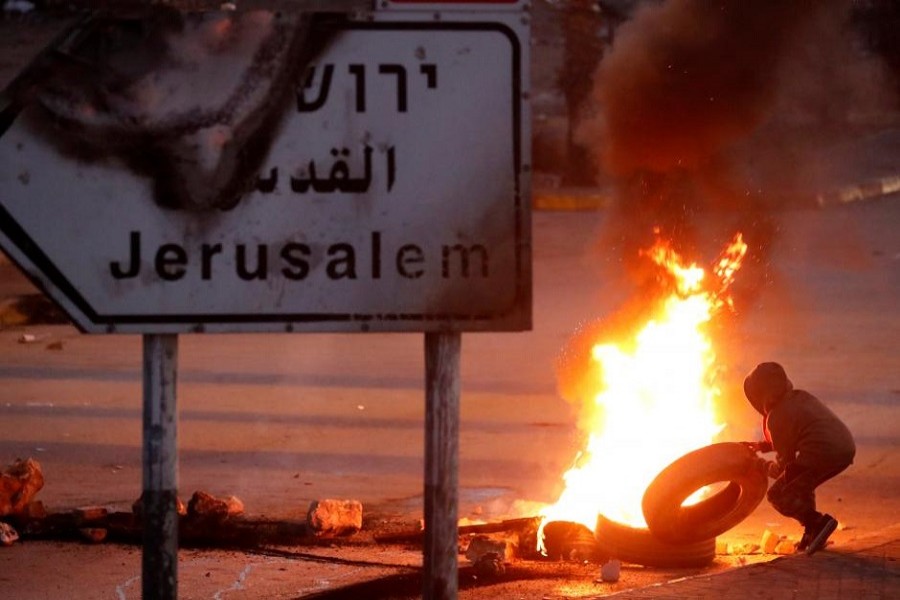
[334,517]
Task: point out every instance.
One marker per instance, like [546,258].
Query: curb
[864,191]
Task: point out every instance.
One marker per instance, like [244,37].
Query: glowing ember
[656,396]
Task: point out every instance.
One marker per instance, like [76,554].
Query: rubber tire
[639,546]
[671,522]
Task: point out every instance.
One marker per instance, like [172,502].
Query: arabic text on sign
[338,179]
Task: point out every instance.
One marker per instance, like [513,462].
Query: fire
[656,395]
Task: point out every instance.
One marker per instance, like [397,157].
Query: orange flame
[656,395]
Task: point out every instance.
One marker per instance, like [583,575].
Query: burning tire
[639,546]
[668,520]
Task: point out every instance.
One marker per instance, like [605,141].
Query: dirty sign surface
[392,197]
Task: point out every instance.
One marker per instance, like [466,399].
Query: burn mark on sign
[191,101]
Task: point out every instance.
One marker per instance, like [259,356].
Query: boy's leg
[793,495]
[819,533]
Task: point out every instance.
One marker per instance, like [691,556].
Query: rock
[92,535]
[745,549]
[137,507]
[8,535]
[18,485]
[235,506]
[611,570]
[206,506]
[722,547]
[86,514]
[785,546]
[334,517]
[482,545]
[768,542]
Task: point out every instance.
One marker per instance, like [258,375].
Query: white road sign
[394,197]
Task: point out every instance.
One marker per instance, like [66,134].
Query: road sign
[394,197]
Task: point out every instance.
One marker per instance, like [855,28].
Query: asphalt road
[280,420]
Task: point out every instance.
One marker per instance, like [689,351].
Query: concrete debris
[503,546]
[86,514]
[785,546]
[235,506]
[745,549]
[334,517]
[774,544]
[768,542]
[92,535]
[137,507]
[18,485]
[724,548]
[8,535]
[206,506]
[611,570]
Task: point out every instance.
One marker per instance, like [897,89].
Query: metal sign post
[159,565]
[442,352]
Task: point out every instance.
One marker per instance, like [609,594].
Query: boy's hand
[758,446]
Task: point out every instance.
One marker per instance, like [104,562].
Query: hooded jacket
[801,429]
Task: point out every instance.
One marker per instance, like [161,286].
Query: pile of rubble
[204,520]
[770,543]
[491,554]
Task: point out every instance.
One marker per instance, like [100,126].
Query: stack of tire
[679,536]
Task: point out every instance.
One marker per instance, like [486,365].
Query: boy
[812,445]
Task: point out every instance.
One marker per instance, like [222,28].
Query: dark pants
[793,494]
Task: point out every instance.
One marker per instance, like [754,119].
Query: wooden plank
[524,524]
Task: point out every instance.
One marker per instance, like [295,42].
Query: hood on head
[765,385]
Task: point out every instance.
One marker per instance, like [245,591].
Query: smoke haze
[726,105]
